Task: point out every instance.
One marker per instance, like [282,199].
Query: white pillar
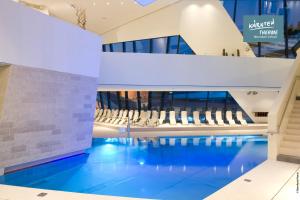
[273,146]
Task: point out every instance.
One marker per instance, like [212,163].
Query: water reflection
[145,167]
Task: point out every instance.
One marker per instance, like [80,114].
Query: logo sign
[263,28]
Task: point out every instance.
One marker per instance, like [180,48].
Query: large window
[129,47]
[290,9]
[142,46]
[115,103]
[293,24]
[189,101]
[117,47]
[171,45]
[159,45]
[184,48]
[273,7]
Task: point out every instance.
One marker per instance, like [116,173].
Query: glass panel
[129,47]
[132,100]
[217,95]
[117,47]
[216,101]
[168,101]
[173,44]
[107,48]
[159,45]
[273,7]
[114,100]
[229,6]
[245,7]
[144,100]
[184,48]
[104,97]
[293,24]
[142,46]
[156,100]
[122,100]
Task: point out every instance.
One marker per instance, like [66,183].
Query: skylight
[145,2]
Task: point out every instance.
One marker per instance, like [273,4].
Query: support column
[234,11]
[101,100]
[259,13]
[126,101]
[172,101]
[149,100]
[139,101]
[119,100]
[108,100]
[286,36]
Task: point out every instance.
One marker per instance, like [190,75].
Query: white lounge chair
[142,121]
[184,119]
[118,118]
[109,115]
[239,116]
[101,116]
[162,116]
[154,119]
[172,118]
[219,118]
[113,116]
[229,118]
[96,113]
[209,119]
[136,116]
[196,118]
[124,117]
[148,114]
[104,117]
[130,116]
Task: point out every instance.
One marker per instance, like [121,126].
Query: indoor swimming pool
[165,168]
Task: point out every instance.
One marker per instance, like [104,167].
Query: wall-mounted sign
[263,28]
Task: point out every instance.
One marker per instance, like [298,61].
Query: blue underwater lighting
[149,170]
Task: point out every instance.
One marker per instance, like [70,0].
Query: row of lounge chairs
[153,118]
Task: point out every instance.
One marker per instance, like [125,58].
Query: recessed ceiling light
[122,3]
[94,3]
[107,3]
[144,2]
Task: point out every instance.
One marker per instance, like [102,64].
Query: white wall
[30,38]
[185,72]
[205,25]
[166,72]
[261,102]
[278,116]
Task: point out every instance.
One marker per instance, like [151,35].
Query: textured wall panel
[45,114]
[4,74]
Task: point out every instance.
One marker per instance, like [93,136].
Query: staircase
[290,144]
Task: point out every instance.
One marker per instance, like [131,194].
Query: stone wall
[4,73]
[45,114]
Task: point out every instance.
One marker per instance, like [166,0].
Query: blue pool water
[148,169]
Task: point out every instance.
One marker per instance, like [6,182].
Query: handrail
[278,111]
[297,78]
[295,48]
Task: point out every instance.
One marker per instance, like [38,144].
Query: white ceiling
[102,15]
